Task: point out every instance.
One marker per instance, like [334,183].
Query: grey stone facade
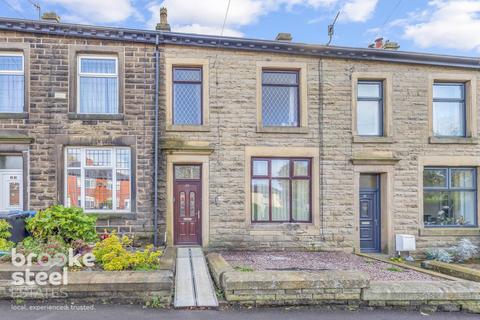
[231,131]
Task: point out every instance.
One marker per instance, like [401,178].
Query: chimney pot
[163,25]
[284,36]
[379,43]
[51,16]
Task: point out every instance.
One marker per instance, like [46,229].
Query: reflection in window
[449,197]
[280,194]
[449,109]
[96,183]
[14,194]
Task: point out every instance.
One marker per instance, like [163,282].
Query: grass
[394,269]
[243,269]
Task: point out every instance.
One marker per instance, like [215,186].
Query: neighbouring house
[255,144]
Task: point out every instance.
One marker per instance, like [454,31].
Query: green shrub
[112,254]
[5,244]
[51,246]
[68,223]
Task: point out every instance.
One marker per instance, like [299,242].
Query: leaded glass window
[187,96]
[280,98]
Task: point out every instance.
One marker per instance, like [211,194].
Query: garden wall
[352,289]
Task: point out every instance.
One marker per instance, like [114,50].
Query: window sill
[180,128]
[84,116]
[113,215]
[294,130]
[452,231]
[13,115]
[372,139]
[452,140]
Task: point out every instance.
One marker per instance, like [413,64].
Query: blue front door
[370,213]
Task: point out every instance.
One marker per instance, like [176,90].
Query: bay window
[98,84]
[98,179]
[12,83]
[450,196]
[281,190]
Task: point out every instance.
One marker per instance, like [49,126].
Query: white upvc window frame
[16,73]
[98,75]
[83,167]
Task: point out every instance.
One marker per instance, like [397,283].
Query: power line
[14,9]
[390,15]
[225,18]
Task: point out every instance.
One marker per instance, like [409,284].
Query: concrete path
[193,285]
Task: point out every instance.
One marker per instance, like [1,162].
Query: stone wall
[232,129]
[48,121]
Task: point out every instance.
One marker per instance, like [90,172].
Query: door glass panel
[14,194]
[192,204]
[11,162]
[187,172]
[368,181]
[182,204]
[364,209]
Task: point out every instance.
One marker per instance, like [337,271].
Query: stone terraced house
[249,144]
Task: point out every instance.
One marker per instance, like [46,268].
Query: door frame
[193,181]
[377,212]
[183,157]
[387,237]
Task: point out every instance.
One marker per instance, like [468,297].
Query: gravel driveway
[377,270]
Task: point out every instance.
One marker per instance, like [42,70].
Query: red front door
[187,205]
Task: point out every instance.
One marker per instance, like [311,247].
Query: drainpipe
[155,160]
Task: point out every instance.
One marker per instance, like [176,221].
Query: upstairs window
[449,197]
[187,96]
[98,179]
[449,109]
[97,85]
[370,108]
[280,98]
[12,83]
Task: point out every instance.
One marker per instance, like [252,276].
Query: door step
[193,284]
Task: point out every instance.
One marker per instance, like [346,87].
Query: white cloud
[15,4]
[207,16]
[95,11]
[448,24]
[196,28]
[358,10]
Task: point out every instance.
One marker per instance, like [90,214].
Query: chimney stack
[163,25]
[388,45]
[284,36]
[51,16]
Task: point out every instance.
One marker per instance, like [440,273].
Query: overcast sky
[439,26]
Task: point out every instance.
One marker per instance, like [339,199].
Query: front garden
[63,244]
